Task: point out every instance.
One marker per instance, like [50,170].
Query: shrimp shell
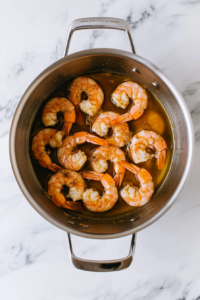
[68,155]
[138,196]
[76,185]
[148,139]
[120,97]
[115,155]
[45,137]
[120,134]
[55,105]
[91,198]
[95,95]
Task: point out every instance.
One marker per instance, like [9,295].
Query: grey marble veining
[34,262]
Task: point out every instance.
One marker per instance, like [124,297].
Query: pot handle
[102,265]
[97,23]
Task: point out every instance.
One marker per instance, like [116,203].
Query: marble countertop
[34,261]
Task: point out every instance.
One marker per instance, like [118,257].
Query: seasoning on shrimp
[91,198]
[45,137]
[55,105]
[148,139]
[76,184]
[120,134]
[120,97]
[68,154]
[94,93]
[115,155]
[134,195]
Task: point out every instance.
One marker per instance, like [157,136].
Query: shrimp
[55,105]
[76,184]
[120,134]
[45,137]
[91,198]
[95,95]
[120,97]
[148,139]
[115,155]
[138,196]
[68,155]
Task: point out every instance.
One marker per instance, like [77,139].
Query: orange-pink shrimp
[91,198]
[76,184]
[45,137]
[94,93]
[120,97]
[121,133]
[99,159]
[55,105]
[68,154]
[134,195]
[148,139]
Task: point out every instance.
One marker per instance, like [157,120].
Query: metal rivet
[136,70]
[155,84]
[132,220]
[70,222]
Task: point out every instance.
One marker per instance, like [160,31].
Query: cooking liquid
[108,82]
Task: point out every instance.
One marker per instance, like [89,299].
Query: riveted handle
[102,265]
[99,23]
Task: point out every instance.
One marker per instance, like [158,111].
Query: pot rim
[45,73]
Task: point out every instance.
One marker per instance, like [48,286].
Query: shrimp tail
[75,206]
[121,119]
[161,159]
[96,140]
[106,180]
[69,119]
[79,117]
[53,167]
[67,127]
[70,114]
[134,113]
[90,175]
[82,137]
[118,178]
[45,162]
[60,201]
[131,167]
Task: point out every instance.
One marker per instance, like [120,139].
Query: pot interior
[98,61]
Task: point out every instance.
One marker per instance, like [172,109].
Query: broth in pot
[154,118]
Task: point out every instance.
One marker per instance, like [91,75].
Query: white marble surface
[34,262]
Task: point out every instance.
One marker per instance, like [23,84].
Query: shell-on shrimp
[115,155]
[138,196]
[148,139]
[45,137]
[91,198]
[95,95]
[76,184]
[68,155]
[120,97]
[55,105]
[120,134]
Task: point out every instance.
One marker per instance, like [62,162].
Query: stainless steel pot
[96,61]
